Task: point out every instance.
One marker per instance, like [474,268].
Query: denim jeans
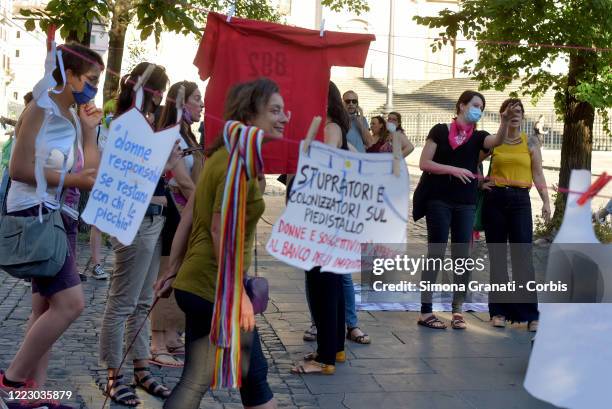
[350,314]
[442,217]
[506,216]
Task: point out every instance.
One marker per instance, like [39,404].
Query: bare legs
[50,318]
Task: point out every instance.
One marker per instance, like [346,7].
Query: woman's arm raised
[22,166]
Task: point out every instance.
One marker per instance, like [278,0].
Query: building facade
[29,50]
[6,53]
[412,56]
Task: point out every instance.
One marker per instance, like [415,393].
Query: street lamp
[390,58]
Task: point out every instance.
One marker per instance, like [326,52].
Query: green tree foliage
[151,17]
[71,17]
[522,40]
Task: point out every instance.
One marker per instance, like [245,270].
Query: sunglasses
[351,101]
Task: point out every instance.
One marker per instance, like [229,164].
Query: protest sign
[339,200]
[132,163]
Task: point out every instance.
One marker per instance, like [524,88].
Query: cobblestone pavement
[405,367]
[74,361]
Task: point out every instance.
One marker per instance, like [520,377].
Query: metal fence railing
[417,126]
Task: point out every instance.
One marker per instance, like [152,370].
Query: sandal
[149,384]
[532,326]
[340,357]
[310,334]
[167,360]
[360,339]
[432,322]
[313,367]
[178,350]
[458,322]
[123,394]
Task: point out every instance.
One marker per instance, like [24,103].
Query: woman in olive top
[506,216]
[449,163]
[257,103]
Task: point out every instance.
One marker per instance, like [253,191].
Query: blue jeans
[350,313]
[506,216]
[442,217]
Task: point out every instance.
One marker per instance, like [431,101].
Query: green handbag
[30,248]
[478,224]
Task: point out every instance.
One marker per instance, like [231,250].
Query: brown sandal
[432,322]
[458,322]
[363,339]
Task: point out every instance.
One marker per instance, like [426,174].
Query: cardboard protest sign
[339,200]
[132,163]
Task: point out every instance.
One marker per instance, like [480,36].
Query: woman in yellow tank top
[515,166]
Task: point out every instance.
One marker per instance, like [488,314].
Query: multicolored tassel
[245,162]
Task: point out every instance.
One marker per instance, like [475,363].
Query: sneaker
[98,273]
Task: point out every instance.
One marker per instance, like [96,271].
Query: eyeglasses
[351,101]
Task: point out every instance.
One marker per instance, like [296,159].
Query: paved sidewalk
[74,361]
[406,366]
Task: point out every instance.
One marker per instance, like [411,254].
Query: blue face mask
[82,97]
[473,115]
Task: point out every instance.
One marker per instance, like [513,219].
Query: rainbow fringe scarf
[245,162]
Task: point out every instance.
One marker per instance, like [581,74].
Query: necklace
[514,141]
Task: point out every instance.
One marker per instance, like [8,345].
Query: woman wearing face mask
[394,123]
[382,135]
[449,163]
[130,295]
[195,251]
[506,216]
[167,320]
[56,301]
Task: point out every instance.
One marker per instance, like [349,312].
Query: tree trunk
[119,25]
[577,131]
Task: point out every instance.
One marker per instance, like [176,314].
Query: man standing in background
[359,135]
